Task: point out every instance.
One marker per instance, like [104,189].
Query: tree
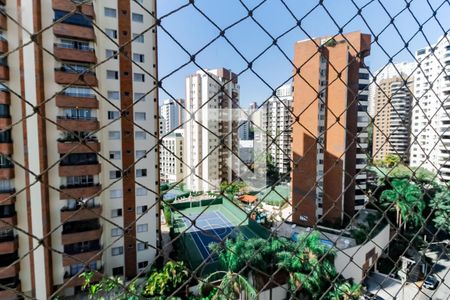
[345,291]
[161,284]
[406,198]
[440,204]
[310,264]
[232,286]
[109,287]
[391,160]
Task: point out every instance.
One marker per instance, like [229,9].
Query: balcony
[3,20]
[79,170]
[64,76]
[7,197]
[74,101]
[80,213]
[90,146]
[73,280]
[64,52]
[5,122]
[79,191]
[68,5]
[6,172]
[81,231]
[4,72]
[8,244]
[7,266]
[8,221]
[73,31]
[9,288]
[3,46]
[82,254]
[74,124]
[5,97]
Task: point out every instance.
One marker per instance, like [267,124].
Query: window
[139,116]
[142,246]
[117,271]
[139,77]
[116,232]
[112,115]
[114,135]
[110,12]
[111,53]
[140,135]
[141,172]
[137,18]
[116,251]
[112,33]
[139,97]
[113,95]
[114,155]
[110,74]
[141,209]
[142,228]
[138,38]
[140,191]
[79,92]
[140,154]
[115,193]
[114,174]
[142,264]
[138,57]
[116,213]
[78,180]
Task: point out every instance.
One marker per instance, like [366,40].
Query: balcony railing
[75,186]
[79,47]
[80,226]
[74,71]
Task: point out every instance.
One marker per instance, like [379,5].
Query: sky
[187,28]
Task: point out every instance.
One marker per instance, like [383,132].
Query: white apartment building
[82,142]
[278,118]
[392,120]
[172,114]
[210,137]
[430,121]
[171,158]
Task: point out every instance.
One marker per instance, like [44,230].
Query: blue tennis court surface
[209,227]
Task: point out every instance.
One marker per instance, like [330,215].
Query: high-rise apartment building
[430,119]
[210,137]
[172,114]
[392,117]
[84,188]
[278,118]
[171,157]
[246,130]
[329,147]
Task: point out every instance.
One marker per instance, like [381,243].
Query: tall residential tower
[210,137]
[63,94]
[329,147]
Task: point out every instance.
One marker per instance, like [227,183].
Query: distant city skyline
[273,67]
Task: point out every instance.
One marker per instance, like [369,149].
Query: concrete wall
[363,256]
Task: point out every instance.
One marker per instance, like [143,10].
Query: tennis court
[209,227]
[200,225]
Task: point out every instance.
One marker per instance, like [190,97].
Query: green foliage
[161,284]
[232,286]
[345,291]
[441,207]
[231,189]
[391,160]
[406,198]
[164,187]
[167,214]
[309,263]
[108,287]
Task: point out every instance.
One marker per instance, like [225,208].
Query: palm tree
[407,200]
[345,291]
[309,263]
[232,286]
[440,204]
